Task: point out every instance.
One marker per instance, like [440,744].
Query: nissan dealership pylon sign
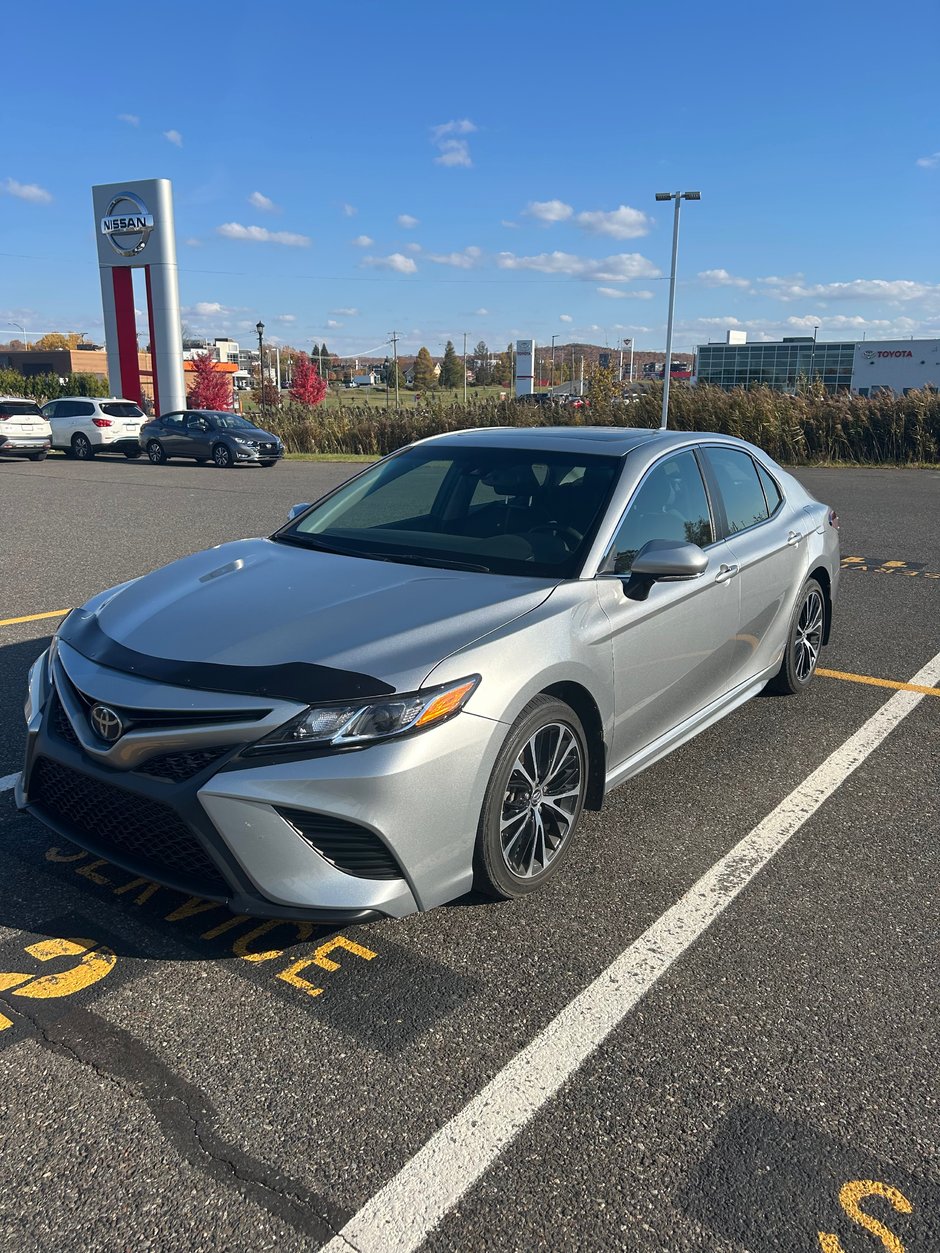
[134,230]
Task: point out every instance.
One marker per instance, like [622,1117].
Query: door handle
[793,538]
[725,573]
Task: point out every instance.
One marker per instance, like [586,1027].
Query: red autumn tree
[307,388]
[211,388]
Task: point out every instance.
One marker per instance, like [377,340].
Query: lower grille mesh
[183,765]
[142,830]
[347,846]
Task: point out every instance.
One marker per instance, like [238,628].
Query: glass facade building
[782,366]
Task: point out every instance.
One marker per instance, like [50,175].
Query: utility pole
[552,383]
[395,359]
[465,367]
[581,382]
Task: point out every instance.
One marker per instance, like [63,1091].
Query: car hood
[262,617]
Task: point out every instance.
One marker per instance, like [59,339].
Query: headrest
[517,480]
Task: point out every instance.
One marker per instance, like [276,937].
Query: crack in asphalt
[186,1119]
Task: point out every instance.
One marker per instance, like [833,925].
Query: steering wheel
[567,534]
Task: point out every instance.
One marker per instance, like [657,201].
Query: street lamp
[678,197]
[25,333]
[552,384]
[259,327]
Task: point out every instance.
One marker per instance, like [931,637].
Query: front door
[672,651]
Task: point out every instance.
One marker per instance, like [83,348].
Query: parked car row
[83,426]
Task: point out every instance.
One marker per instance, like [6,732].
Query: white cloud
[407,221]
[363,241]
[616,293]
[261,235]
[413,247]
[260,201]
[349,210]
[619,268]
[565,317]
[206,308]
[721,278]
[397,261]
[454,152]
[929,163]
[285,317]
[890,290]
[130,118]
[462,127]
[548,211]
[513,226]
[465,260]
[332,324]
[174,137]
[193,242]
[622,223]
[482,313]
[27,191]
[346,313]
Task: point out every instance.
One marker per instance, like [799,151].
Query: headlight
[246,443]
[363,722]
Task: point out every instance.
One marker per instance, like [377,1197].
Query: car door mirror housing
[296,511]
[663,561]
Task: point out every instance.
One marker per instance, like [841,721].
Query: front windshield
[229,422]
[503,510]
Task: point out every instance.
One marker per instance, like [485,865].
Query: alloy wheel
[808,637]
[221,456]
[541,801]
[82,448]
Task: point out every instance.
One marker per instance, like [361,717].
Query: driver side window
[670,504]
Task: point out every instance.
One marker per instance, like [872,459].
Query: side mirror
[296,511]
[663,561]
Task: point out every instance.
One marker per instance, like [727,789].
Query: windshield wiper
[440,563]
[307,541]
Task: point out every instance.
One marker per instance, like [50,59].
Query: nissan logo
[107,723]
[127,232]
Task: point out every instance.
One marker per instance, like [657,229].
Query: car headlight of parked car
[364,722]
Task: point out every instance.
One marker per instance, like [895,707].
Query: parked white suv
[85,425]
[24,432]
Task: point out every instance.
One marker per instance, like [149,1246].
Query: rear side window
[121,409]
[771,490]
[740,488]
[82,409]
[19,409]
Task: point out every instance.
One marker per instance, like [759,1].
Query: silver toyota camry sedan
[419,683]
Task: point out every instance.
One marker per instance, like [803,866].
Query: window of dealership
[783,365]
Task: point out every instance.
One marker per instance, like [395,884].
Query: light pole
[25,333]
[812,360]
[678,197]
[259,327]
[465,368]
[552,384]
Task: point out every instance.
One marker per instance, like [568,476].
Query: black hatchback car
[208,435]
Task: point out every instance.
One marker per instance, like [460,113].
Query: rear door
[766,536]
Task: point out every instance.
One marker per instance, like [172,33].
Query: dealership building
[868,367]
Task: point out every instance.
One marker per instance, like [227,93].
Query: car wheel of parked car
[268,463]
[803,643]
[533,800]
[132,456]
[38,456]
[81,447]
[222,456]
[201,461]
[157,453]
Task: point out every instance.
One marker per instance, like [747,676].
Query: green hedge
[43,387]
[811,427]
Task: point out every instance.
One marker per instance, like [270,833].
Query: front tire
[803,643]
[132,456]
[157,453]
[222,456]
[267,464]
[82,448]
[533,800]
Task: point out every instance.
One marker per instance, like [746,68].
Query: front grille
[183,765]
[59,719]
[150,834]
[345,845]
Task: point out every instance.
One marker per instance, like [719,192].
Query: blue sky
[344,171]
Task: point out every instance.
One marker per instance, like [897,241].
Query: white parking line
[402,1213]
[8,781]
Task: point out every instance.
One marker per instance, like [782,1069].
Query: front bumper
[266,836]
[258,454]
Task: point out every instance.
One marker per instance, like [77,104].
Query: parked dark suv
[208,435]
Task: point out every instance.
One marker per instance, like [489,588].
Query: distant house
[408,374]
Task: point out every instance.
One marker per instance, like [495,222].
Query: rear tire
[533,800]
[38,456]
[82,448]
[157,453]
[222,456]
[132,456]
[803,643]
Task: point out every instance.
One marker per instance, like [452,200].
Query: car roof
[612,441]
[98,400]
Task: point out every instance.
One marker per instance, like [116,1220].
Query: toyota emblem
[107,723]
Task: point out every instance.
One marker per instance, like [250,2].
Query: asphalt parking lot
[177,1078]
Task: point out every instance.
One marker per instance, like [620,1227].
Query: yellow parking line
[34,617]
[867,678]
